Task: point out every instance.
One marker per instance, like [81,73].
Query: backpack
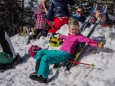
[33,50]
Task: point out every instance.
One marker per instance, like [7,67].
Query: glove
[100,45]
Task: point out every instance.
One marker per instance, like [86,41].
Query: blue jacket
[80,19]
[59,8]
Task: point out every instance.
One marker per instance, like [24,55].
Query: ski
[103,11]
[88,20]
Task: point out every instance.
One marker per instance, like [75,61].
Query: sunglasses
[79,11]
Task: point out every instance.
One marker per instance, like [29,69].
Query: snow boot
[34,74]
[16,60]
[40,78]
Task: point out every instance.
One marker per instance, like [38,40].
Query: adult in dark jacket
[79,15]
[58,10]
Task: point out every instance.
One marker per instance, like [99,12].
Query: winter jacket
[69,44]
[79,18]
[107,23]
[59,8]
[40,17]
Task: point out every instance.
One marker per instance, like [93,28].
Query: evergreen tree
[10,13]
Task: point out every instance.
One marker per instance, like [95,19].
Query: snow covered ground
[103,73]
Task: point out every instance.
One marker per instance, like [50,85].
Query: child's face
[97,14]
[73,29]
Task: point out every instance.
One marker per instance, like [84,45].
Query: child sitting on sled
[46,57]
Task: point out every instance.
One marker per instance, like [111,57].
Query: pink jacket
[69,44]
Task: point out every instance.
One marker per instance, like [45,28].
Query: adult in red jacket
[58,9]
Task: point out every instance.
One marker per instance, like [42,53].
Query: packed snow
[102,74]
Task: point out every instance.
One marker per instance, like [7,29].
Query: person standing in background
[58,10]
[40,20]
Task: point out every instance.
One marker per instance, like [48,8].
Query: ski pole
[74,62]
